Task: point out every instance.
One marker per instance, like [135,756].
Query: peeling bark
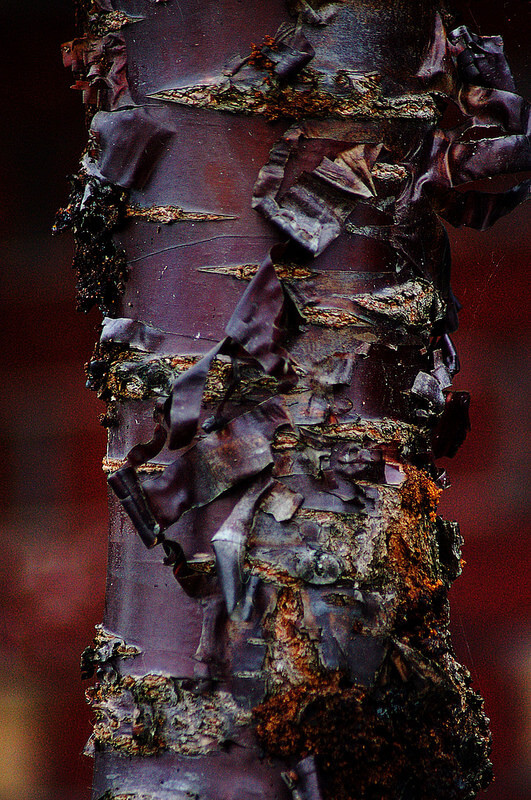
[303,649]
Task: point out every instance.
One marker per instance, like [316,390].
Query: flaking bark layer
[300,398]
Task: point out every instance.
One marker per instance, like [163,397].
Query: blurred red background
[53,527]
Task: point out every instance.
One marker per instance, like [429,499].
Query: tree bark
[258,214]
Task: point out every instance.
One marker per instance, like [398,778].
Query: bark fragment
[105,649]
[154,713]
[95,210]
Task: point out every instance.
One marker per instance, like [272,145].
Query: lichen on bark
[300,398]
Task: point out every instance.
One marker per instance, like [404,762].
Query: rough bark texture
[303,649]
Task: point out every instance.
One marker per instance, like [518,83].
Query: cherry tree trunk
[258,215]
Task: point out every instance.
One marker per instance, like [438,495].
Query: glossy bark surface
[307,628]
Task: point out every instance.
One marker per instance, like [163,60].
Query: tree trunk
[258,216]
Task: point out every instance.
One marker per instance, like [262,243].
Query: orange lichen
[426,736]
[419,493]
[411,540]
[293,657]
[257,59]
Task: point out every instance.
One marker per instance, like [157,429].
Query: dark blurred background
[53,526]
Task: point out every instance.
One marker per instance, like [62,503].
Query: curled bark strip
[481,60]
[255,326]
[488,107]
[229,541]
[99,68]
[285,54]
[218,462]
[141,453]
[127,488]
[437,70]
[183,407]
[313,209]
[480,210]
[194,582]
[138,335]
[128,142]
[448,159]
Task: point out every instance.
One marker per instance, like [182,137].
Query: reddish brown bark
[304,646]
